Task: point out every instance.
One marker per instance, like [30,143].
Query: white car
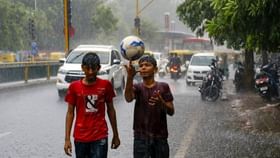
[198,67]
[111,67]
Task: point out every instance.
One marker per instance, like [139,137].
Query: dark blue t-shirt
[150,120]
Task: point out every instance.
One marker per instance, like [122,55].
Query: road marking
[4,134]
[186,141]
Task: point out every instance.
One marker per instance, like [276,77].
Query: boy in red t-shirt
[87,99]
[153,101]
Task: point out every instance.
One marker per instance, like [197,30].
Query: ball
[132,48]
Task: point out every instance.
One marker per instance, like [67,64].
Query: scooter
[266,84]
[239,76]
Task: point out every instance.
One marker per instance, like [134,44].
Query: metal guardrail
[24,71]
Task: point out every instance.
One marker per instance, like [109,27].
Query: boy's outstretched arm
[113,120]
[129,93]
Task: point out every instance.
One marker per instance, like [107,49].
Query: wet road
[32,126]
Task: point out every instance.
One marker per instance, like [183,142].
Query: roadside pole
[137,20]
[66,28]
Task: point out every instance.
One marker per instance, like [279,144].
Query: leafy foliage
[194,12]
[105,21]
[98,21]
[251,24]
[248,24]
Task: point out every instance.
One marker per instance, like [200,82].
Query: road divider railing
[24,71]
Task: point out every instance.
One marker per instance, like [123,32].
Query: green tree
[105,23]
[250,25]
[194,12]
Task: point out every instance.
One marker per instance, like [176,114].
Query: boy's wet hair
[91,60]
[148,58]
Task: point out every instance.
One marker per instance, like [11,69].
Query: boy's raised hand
[130,69]
[156,98]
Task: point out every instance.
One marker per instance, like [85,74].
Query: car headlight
[62,71]
[189,71]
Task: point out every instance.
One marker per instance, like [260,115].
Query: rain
[33,75]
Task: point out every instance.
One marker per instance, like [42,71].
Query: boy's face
[90,72]
[147,69]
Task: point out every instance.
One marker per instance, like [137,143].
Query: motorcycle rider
[174,60]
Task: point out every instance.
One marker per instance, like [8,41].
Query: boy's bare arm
[68,126]
[113,120]
[169,108]
[129,93]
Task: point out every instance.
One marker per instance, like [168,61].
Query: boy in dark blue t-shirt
[153,100]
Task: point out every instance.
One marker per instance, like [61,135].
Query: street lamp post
[137,18]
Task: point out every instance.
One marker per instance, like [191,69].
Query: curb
[20,84]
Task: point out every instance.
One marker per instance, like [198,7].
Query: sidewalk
[255,113]
[20,84]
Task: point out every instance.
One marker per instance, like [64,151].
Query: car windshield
[77,56]
[201,60]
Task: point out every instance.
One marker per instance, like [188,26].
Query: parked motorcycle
[212,84]
[266,82]
[239,76]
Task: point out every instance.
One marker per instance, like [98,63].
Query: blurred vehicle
[198,43]
[199,66]
[111,68]
[7,57]
[159,58]
[185,56]
[55,56]
[239,76]
[267,82]
[42,56]
[162,71]
[174,72]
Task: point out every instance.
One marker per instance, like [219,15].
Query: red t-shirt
[89,102]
